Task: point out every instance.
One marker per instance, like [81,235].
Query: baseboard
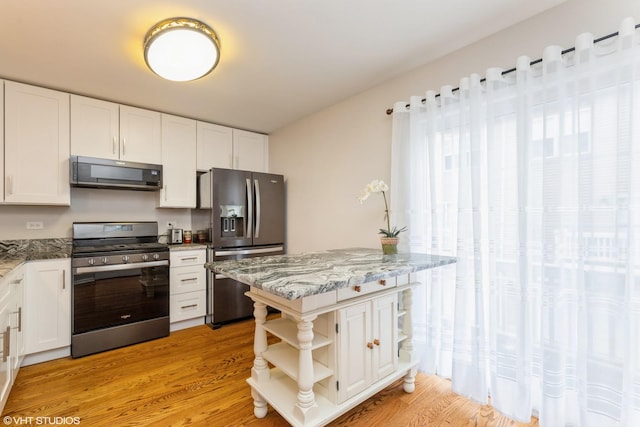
[45,356]
[184,324]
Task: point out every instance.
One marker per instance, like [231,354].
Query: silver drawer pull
[189,306]
[190,279]
[185,259]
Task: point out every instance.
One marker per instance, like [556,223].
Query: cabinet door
[384,336]
[140,135]
[354,364]
[17,321]
[179,162]
[214,147]
[94,128]
[47,305]
[5,349]
[250,151]
[36,145]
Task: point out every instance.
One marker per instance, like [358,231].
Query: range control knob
[145,257]
[156,256]
[91,261]
[125,258]
[105,260]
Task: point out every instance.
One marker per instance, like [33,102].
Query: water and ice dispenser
[232,221]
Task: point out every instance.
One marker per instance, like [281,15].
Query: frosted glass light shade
[181,49]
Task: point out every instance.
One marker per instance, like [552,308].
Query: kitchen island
[345,332]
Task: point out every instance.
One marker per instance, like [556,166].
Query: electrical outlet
[172,224]
[35,225]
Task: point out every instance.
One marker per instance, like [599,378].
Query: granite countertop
[301,275]
[187,246]
[15,252]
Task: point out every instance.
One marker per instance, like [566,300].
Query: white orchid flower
[379,186]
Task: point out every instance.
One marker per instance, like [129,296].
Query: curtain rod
[534,62]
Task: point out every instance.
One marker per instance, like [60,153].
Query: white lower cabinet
[334,352]
[47,305]
[11,330]
[367,344]
[188,284]
[5,360]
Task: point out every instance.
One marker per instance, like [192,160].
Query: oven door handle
[99,268]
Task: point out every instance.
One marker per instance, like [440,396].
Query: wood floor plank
[196,377]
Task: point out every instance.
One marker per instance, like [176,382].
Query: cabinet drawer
[354,291]
[187,258]
[187,306]
[187,279]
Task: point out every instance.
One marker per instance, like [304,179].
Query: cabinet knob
[369,345]
[382,282]
[356,288]
[376,341]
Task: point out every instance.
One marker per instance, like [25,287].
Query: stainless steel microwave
[117,174]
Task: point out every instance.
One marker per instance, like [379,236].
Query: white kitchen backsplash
[88,204]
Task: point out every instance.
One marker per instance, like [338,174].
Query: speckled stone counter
[187,247]
[15,252]
[301,275]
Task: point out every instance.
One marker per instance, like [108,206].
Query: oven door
[114,295]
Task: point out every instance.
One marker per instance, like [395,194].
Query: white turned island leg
[407,352]
[260,370]
[306,405]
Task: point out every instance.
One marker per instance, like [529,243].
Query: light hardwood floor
[196,377]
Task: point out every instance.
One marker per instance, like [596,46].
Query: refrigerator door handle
[256,184]
[248,229]
[233,252]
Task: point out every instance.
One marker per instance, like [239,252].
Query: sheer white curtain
[532,180]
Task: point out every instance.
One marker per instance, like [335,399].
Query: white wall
[328,157]
[88,204]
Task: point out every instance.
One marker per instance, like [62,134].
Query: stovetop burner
[112,243]
[124,247]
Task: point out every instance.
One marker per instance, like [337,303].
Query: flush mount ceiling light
[181,49]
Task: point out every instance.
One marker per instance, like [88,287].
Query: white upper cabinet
[179,162]
[94,128]
[250,151]
[36,145]
[224,147]
[140,135]
[215,146]
[111,131]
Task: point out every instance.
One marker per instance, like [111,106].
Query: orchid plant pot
[389,245]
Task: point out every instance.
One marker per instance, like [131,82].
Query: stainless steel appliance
[120,292]
[107,173]
[246,219]
[175,236]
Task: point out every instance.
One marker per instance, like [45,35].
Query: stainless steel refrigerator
[245,213]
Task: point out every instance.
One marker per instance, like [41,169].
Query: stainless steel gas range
[120,292]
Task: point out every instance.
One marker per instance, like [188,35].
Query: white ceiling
[281,59]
